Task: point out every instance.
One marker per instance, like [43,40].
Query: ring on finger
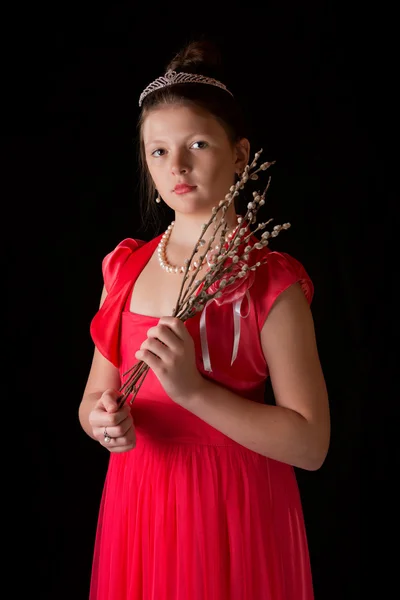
[107,438]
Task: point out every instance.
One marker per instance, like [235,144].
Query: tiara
[173,78]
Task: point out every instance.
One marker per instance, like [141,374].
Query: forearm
[273,431]
[85,407]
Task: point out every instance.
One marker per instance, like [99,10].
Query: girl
[200,500]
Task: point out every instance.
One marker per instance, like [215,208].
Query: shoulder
[114,260]
[279,273]
[282,270]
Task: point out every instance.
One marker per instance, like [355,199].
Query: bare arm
[103,376]
[297,430]
[99,408]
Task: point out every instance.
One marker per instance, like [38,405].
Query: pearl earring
[158,199]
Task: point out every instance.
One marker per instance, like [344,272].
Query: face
[190,158]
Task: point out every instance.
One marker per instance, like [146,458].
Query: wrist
[196,393]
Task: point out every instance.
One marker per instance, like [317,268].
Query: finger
[176,325]
[120,449]
[110,400]
[115,431]
[151,360]
[101,418]
[108,440]
[166,336]
[118,446]
[117,417]
[160,350]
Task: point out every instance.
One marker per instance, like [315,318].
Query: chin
[197,211]
[192,207]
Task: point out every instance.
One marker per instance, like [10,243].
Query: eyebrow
[154,142]
[198,134]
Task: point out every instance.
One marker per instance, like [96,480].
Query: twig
[225,258]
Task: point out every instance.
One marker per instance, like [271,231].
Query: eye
[200,145]
[158,152]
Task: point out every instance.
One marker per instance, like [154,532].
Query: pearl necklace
[162,253]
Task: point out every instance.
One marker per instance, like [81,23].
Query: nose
[179,170]
[179,163]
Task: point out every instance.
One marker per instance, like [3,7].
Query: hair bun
[202,56]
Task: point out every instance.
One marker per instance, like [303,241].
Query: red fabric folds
[120,269]
[190,514]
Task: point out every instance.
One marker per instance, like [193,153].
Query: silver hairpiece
[172,78]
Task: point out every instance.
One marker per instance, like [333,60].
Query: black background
[317,85]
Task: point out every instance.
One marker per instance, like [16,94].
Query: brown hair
[200,57]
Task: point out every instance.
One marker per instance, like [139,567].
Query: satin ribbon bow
[235,294]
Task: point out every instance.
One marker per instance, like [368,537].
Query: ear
[242,148]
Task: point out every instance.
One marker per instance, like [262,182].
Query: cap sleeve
[114,261]
[120,268]
[280,272]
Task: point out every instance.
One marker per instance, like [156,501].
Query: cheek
[157,176]
[151,170]
[221,174]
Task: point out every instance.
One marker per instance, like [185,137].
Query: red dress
[190,514]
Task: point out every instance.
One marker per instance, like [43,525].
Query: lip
[183,188]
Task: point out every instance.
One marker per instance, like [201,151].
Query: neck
[187,228]
[171,256]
